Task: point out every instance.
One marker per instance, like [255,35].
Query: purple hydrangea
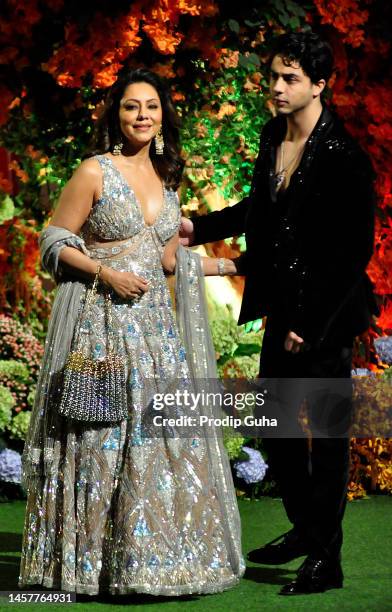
[252,470]
[10,466]
[384,349]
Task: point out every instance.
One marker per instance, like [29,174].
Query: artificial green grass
[367,564]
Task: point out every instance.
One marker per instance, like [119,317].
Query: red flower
[346,16]
[385,319]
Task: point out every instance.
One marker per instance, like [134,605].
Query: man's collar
[324,121]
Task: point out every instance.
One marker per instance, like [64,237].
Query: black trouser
[313,476]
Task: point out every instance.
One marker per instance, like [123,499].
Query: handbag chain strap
[90,297]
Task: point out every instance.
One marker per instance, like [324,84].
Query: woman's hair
[313,54]
[107,131]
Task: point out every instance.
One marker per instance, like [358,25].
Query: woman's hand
[126,284]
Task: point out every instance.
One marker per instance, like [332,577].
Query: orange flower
[346,16]
[162,40]
[201,130]
[6,98]
[177,96]
[226,109]
[109,42]
[249,85]
[107,76]
[192,7]
[20,173]
[164,70]
[5,185]
[198,7]
[98,110]
[15,102]
[230,58]
[67,80]
[31,152]
[31,254]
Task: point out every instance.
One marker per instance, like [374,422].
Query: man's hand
[186,232]
[293,343]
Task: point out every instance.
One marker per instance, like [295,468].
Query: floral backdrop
[56,61]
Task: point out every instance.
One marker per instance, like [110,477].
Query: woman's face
[140,113]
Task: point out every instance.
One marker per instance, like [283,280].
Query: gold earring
[159,142]
[117,148]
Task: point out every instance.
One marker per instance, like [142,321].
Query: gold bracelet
[98,272]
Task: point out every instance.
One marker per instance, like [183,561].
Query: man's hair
[313,54]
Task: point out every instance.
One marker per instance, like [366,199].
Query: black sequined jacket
[307,250]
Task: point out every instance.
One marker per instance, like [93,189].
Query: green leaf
[295,9]
[253,325]
[257,324]
[253,24]
[254,59]
[234,26]
[279,5]
[7,209]
[246,349]
[243,456]
[284,18]
[244,61]
[294,22]
[223,358]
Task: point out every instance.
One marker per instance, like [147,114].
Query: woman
[110,508]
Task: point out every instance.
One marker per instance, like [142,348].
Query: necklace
[280,176]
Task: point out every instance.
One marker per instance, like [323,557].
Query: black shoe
[315,576]
[288,549]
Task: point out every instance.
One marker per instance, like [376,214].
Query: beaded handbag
[94,389]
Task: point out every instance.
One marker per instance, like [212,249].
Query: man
[308,223]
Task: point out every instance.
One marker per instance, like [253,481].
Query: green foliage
[240,367]
[228,144]
[7,208]
[6,404]
[31,395]
[19,425]
[48,154]
[224,331]
[289,13]
[18,343]
[237,351]
[15,375]
[233,442]
[11,369]
[225,114]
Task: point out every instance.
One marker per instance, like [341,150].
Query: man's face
[291,89]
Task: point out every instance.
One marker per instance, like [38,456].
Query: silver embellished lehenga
[108,508]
